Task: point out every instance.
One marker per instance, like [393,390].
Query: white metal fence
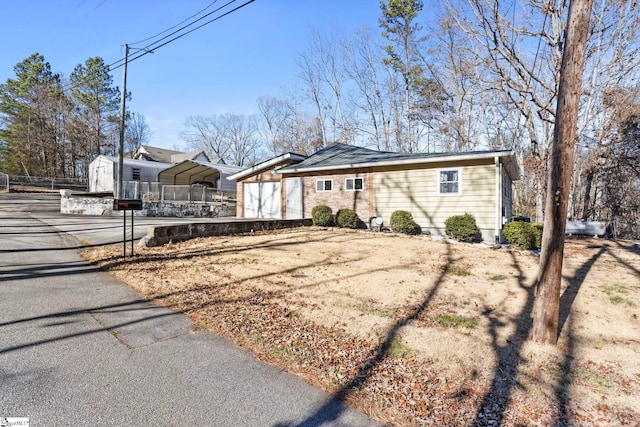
[195,193]
[147,191]
[154,192]
[4,181]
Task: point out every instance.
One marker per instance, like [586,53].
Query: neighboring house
[163,155]
[432,186]
[103,172]
[263,193]
[190,172]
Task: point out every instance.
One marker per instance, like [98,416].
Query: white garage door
[262,200]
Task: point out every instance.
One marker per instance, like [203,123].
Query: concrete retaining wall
[77,205]
[157,236]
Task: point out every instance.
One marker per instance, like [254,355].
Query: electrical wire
[150,48]
[146,51]
[179,23]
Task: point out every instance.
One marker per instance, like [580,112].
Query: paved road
[79,348]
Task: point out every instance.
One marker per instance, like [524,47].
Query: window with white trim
[449,181]
[135,174]
[323,185]
[354,184]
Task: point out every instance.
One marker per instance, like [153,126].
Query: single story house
[432,186]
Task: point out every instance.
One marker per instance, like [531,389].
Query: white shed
[103,172]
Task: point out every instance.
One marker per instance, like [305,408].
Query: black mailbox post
[127,205]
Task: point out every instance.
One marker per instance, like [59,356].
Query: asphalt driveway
[77,347]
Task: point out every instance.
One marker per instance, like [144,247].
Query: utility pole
[123,99]
[546,308]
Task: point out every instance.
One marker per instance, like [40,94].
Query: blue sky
[221,68]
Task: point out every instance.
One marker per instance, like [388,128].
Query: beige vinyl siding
[416,190]
[507,195]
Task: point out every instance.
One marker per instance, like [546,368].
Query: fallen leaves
[264,314]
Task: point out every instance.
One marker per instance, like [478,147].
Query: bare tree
[137,132]
[230,137]
[310,66]
[205,133]
[364,66]
[240,133]
[455,117]
[287,126]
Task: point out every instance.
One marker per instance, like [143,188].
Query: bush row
[522,235]
[346,218]
[401,221]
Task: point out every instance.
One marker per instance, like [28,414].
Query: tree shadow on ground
[634,249]
[575,283]
[495,401]
[334,407]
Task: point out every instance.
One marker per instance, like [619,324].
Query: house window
[324,185]
[449,181]
[354,184]
[135,174]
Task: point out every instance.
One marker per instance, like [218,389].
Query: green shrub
[321,215]
[523,235]
[461,227]
[348,218]
[537,229]
[402,222]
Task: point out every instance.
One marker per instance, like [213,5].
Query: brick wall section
[338,198]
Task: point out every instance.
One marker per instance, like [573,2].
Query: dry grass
[413,330]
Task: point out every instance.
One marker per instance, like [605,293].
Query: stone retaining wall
[157,236]
[78,205]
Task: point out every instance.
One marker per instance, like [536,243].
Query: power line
[179,23]
[148,49]
[150,45]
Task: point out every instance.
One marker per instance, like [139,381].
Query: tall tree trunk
[547,303]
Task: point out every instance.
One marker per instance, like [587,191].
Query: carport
[190,172]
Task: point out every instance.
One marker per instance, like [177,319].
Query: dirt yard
[413,330]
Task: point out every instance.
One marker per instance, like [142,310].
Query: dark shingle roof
[342,156]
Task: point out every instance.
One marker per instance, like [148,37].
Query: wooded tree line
[481,74]
[54,126]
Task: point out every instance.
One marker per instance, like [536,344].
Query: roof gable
[194,155]
[154,154]
[267,164]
